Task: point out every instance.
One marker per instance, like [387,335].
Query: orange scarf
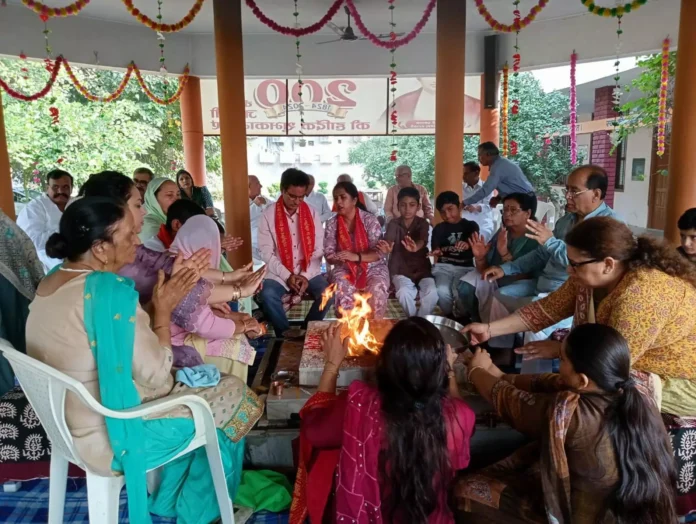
[358,272]
[307,235]
[361,199]
[165,236]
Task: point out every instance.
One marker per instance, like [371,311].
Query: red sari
[343,436]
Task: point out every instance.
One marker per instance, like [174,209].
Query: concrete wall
[632,202]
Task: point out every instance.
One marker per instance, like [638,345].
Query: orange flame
[326,296]
[357,325]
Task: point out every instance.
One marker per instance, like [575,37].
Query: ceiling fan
[348,34]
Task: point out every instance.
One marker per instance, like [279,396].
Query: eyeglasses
[294,197]
[510,211]
[576,265]
[573,194]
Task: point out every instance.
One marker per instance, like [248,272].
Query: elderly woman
[198,194]
[350,245]
[640,286]
[86,322]
[160,194]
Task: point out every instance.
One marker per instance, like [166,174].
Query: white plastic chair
[46,388]
[548,210]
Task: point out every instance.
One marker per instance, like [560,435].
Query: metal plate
[451,332]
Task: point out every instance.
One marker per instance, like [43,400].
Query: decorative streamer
[159,26]
[662,105]
[616,93]
[504,111]
[25,70]
[516,59]
[160,39]
[573,110]
[517,25]
[39,94]
[299,70]
[50,12]
[617,11]
[393,81]
[294,31]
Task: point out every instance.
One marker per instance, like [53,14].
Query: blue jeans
[272,304]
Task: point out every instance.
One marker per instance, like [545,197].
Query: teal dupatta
[110,305]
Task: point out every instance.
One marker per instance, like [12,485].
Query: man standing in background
[142,177]
[257,204]
[318,201]
[481,212]
[404,178]
[364,199]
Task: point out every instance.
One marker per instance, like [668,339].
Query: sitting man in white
[481,212]
[40,218]
[291,241]
[318,201]
[257,204]
[365,200]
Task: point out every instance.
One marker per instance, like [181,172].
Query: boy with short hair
[409,267]
[687,230]
[450,243]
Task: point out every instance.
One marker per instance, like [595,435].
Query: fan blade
[335,28]
[330,41]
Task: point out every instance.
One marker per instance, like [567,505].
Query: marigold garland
[662,104]
[294,31]
[163,28]
[93,98]
[69,10]
[40,94]
[395,42]
[504,111]
[517,25]
[573,109]
[608,12]
[183,79]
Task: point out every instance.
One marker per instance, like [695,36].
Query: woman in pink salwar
[350,246]
[218,338]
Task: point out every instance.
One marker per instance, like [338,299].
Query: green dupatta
[110,305]
[155,217]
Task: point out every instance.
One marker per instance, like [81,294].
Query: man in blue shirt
[505,176]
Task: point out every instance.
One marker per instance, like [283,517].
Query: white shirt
[370,205]
[39,219]
[320,205]
[484,218]
[255,212]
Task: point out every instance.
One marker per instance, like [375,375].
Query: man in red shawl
[291,243]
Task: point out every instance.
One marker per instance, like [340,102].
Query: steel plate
[451,332]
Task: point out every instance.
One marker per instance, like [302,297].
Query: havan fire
[355,323]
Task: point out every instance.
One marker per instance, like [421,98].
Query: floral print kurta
[377,272]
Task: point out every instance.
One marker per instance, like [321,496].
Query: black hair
[526,201]
[473,166]
[489,148]
[412,381]
[182,210]
[183,172]
[596,178]
[446,197]
[84,222]
[144,171]
[406,192]
[293,177]
[59,173]
[350,188]
[109,184]
[647,486]
[687,220]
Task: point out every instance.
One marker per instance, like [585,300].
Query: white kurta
[484,218]
[39,219]
[320,205]
[255,212]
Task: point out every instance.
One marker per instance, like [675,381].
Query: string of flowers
[39,94]
[393,80]
[50,12]
[298,70]
[573,110]
[616,93]
[517,25]
[294,31]
[94,98]
[619,10]
[183,80]
[504,110]
[159,26]
[25,70]
[395,42]
[160,39]
[662,103]
[516,59]
[46,33]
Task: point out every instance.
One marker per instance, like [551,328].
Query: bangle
[223,278]
[236,293]
[451,374]
[160,327]
[331,369]
[489,331]
[468,377]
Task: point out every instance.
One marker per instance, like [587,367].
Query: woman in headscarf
[20,273]
[218,340]
[160,194]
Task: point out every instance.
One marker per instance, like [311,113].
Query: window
[620,153]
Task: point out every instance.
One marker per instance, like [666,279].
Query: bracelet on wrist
[223,278]
[471,371]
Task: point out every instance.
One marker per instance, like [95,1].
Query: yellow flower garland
[163,28]
[43,10]
[608,12]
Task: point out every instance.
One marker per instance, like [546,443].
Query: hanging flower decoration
[183,79]
[516,60]
[662,103]
[39,94]
[393,81]
[504,110]
[46,33]
[50,12]
[616,93]
[517,25]
[619,10]
[299,70]
[25,70]
[94,98]
[294,31]
[513,148]
[159,26]
[55,115]
[573,110]
[392,43]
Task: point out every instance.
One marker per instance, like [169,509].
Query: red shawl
[284,239]
[165,236]
[358,272]
[361,199]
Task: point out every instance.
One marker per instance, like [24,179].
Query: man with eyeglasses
[586,190]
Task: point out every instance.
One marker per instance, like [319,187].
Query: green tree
[415,151]
[324,188]
[89,136]
[644,111]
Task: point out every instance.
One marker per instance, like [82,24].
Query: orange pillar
[192,130]
[230,80]
[6,198]
[681,194]
[490,125]
[449,96]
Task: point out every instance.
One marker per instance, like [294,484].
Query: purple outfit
[377,272]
